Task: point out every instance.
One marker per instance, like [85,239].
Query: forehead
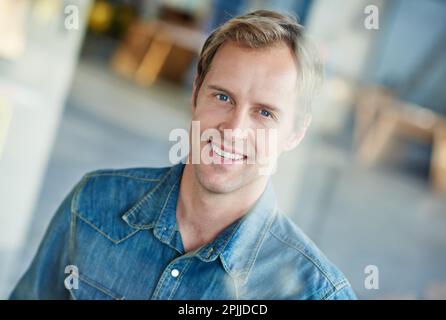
[269,72]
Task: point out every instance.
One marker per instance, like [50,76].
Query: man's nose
[236,125]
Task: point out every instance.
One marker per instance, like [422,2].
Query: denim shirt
[118,229]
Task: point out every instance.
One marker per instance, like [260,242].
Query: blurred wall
[34,85]
[410,56]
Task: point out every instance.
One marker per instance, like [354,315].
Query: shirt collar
[241,251]
[237,245]
[155,208]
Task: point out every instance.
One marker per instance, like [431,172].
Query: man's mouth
[225,154]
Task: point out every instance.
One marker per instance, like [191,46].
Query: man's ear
[194,92]
[294,139]
[298,134]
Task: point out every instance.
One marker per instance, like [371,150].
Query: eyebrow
[268,106]
[218,88]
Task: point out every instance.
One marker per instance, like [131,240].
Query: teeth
[225,154]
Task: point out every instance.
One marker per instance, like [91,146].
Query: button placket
[168,282]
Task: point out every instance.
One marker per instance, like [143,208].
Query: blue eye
[222,97]
[265,113]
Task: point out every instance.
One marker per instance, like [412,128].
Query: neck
[202,214]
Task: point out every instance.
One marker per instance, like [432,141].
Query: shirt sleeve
[44,279]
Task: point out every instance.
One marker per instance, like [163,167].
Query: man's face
[248,96]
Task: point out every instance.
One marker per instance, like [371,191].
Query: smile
[225,154]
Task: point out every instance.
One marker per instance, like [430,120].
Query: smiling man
[210,228]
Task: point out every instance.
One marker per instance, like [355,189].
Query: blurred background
[100,84]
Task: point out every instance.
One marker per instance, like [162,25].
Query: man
[210,228]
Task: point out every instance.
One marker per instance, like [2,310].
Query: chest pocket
[89,289]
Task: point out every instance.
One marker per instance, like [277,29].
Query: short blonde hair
[260,29]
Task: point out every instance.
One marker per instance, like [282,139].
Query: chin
[220,181]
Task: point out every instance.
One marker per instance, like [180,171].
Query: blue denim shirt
[119,229]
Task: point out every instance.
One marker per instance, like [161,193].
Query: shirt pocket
[89,289]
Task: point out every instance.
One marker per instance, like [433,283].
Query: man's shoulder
[147,174]
[103,197]
[316,277]
[118,185]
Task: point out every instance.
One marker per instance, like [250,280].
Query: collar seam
[158,220]
[260,240]
[244,271]
[223,247]
[142,201]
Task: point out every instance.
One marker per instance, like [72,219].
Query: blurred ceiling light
[46,10]
[101,16]
[12,28]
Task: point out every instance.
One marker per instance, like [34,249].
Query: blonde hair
[260,29]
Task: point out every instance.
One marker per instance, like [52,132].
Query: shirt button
[175,273]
